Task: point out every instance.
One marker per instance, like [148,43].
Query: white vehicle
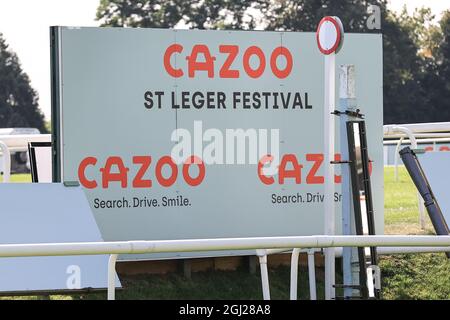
[19,159]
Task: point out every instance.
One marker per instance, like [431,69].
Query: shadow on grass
[216,285]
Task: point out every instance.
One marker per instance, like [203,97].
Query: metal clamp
[340,162]
[351,113]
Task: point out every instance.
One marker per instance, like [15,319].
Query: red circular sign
[328,35]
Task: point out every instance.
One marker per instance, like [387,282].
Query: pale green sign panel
[121,93]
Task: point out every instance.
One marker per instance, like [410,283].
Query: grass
[216,285]
[400,204]
[409,276]
[19,178]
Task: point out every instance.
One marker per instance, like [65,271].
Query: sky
[25,26]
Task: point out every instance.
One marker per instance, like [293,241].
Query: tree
[18,101]
[436,79]
[233,14]
[401,90]
[403,94]
[425,84]
[292,15]
[404,99]
[207,14]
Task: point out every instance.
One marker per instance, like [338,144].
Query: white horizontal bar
[403,250]
[21,140]
[422,127]
[160,246]
[431,135]
[380,250]
[419,141]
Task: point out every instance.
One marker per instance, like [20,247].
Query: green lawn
[401,205]
[412,276]
[418,276]
[19,178]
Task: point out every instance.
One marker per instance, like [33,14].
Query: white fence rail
[162,246]
[436,132]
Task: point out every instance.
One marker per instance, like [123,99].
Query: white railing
[164,246]
[424,127]
[19,142]
[389,130]
[6,163]
[416,133]
[295,253]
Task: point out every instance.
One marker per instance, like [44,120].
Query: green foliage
[400,204]
[417,89]
[22,178]
[402,91]
[291,15]
[410,276]
[207,14]
[233,14]
[416,276]
[417,26]
[18,101]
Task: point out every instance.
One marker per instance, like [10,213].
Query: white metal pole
[347,101]
[329,135]
[396,158]
[389,130]
[112,277]
[312,275]
[432,127]
[294,273]
[264,277]
[410,134]
[421,205]
[6,162]
[402,250]
[191,245]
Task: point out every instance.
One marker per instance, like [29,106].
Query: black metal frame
[358,184]
[420,180]
[32,155]
[56,101]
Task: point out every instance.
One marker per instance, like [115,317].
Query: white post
[329,133]
[112,277]
[412,140]
[396,158]
[264,276]
[6,162]
[312,275]
[329,37]
[347,102]
[294,273]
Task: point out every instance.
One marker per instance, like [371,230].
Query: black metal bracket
[355,114]
[352,286]
[340,162]
[71,184]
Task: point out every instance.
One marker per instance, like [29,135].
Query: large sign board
[127,101]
